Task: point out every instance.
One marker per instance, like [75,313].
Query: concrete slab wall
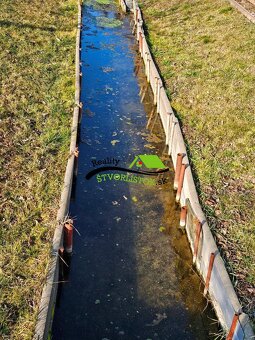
[48,299]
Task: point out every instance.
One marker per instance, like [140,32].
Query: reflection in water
[131,274]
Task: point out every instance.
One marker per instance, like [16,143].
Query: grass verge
[37,96]
[206,53]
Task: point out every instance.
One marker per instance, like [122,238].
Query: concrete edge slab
[49,293]
[244,11]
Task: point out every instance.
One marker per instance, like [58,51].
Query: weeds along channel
[36,105]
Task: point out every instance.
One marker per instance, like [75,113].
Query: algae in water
[99,4]
[108,22]
[104,2]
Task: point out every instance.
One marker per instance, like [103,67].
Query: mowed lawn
[37,54]
[206,53]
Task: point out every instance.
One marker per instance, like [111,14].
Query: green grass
[36,102]
[206,54]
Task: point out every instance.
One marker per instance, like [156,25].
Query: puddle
[131,274]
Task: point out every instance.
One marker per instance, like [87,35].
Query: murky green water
[131,274]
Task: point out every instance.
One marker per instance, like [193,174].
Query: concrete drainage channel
[205,254]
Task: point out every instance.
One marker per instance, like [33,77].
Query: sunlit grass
[37,90]
[206,54]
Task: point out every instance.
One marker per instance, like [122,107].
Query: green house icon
[149,161]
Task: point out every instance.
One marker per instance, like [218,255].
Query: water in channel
[130,275]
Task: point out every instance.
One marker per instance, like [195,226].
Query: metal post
[68,236]
[208,277]
[180,183]
[177,170]
[197,237]
[183,216]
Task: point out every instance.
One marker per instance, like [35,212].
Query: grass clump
[206,53]
[36,103]
[226,9]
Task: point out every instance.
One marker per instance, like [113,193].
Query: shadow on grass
[209,212]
